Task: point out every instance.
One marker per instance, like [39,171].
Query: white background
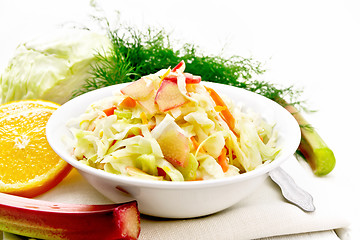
[314,45]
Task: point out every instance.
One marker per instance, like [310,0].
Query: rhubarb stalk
[315,151]
[49,220]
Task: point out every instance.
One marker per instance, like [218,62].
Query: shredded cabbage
[127,141]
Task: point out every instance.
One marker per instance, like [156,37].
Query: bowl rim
[53,124]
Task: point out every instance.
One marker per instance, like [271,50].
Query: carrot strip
[128,102]
[109,111]
[225,112]
[195,143]
[223,161]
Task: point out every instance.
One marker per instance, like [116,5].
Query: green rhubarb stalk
[48,220]
[315,151]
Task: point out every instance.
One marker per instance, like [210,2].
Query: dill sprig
[136,53]
[108,69]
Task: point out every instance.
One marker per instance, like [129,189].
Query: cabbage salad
[170,126]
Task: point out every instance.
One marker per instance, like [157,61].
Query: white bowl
[177,199]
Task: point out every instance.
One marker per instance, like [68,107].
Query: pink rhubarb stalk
[49,220]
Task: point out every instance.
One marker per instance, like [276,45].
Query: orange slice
[21,105]
[28,165]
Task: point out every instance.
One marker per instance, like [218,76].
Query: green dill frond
[109,69]
[136,53]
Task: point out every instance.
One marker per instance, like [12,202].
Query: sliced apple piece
[49,220]
[149,103]
[174,145]
[140,89]
[189,78]
[169,96]
[180,67]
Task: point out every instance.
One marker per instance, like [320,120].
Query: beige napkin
[263,214]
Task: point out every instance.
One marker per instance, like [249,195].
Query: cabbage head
[51,66]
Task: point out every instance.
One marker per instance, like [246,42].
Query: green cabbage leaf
[51,67]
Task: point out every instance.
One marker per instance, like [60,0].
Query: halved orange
[21,105]
[28,165]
